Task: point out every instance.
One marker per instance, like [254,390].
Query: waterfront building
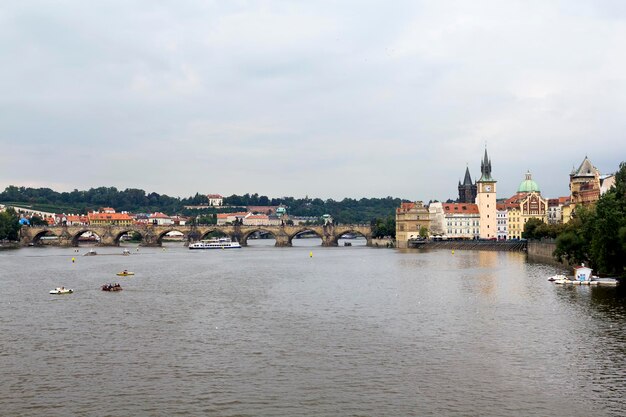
[462,221]
[502,216]
[486,200]
[437,219]
[526,204]
[584,184]
[410,219]
[467,190]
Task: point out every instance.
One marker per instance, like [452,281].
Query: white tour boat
[221,243]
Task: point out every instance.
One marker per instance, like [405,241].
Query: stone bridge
[153,235]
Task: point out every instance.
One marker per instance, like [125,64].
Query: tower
[467,190]
[486,200]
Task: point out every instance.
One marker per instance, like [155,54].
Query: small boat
[125,273]
[61,290]
[221,243]
[557,277]
[125,252]
[112,287]
[91,252]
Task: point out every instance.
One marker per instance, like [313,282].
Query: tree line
[348,210]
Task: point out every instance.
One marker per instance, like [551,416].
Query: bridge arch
[340,231]
[117,238]
[243,241]
[76,235]
[302,230]
[204,234]
[163,233]
[37,238]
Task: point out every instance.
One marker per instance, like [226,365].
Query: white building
[437,219]
[462,220]
[160,219]
[215,200]
[502,220]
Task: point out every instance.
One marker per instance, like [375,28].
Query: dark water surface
[266,331]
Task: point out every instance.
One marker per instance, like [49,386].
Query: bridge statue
[152,235]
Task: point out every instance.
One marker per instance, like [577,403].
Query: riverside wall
[508,245]
[541,251]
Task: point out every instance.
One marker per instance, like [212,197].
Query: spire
[468,177]
[485,168]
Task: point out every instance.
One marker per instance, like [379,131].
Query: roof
[227,215]
[464,208]
[528,185]
[468,178]
[214,196]
[485,169]
[586,169]
[159,215]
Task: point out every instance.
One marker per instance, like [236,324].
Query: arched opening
[172,238]
[46,238]
[213,234]
[306,238]
[351,238]
[259,238]
[129,238]
[86,238]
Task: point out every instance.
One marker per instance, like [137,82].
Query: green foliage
[134,200]
[37,221]
[598,235]
[9,225]
[384,227]
[538,229]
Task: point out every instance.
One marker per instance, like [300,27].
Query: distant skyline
[326,99]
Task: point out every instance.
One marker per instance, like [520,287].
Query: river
[305,331]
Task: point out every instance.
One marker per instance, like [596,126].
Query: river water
[264,331]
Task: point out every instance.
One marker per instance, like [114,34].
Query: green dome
[528,185]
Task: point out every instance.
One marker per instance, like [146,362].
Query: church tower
[467,190]
[486,200]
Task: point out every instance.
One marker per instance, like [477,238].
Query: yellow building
[114,219]
[410,219]
[526,204]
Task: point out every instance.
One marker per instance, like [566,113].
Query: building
[160,219]
[486,200]
[555,209]
[462,221]
[502,223]
[411,219]
[526,204]
[437,219]
[230,218]
[584,184]
[215,200]
[467,190]
[109,219]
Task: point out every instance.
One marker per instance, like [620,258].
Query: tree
[598,234]
[9,225]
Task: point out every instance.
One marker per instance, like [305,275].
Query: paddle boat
[125,252]
[112,287]
[125,273]
[90,252]
[61,290]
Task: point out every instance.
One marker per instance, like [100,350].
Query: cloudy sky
[329,99]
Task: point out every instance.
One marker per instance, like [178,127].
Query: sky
[329,99]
